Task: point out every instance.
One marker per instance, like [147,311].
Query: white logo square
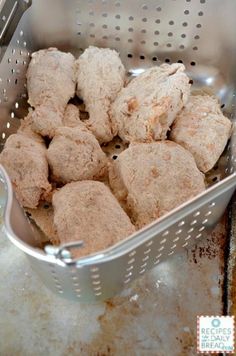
[215,334]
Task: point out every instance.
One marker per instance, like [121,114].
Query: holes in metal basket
[196,214]
[208,213]
[98,294]
[161,248]
[95,276]
[145,258]
[163,241]
[176,239]
[128,275]
[188,237]
[96,283]
[128,269]
[130,262]
[143,265]
[149,243]
[178,232]
[181,223]
[131,254]
[204,221]
[190,230]
[127,280]
[198,236]
[165,233]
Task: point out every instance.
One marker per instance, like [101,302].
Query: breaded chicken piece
[43,217]
[71,117]
[25,161]
[203,130]
[27,130]
[89,212]
[51,76]
[46,118]
[100,76]
[150,179]
[144,110]
[74,154]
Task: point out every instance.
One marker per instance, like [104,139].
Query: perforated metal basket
[199,33]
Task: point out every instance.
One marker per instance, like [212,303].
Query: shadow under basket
[201,35]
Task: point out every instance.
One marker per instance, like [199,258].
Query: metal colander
[199,33]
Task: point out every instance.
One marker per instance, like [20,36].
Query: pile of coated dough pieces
[56,162]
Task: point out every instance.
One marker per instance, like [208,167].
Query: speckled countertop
[155,316]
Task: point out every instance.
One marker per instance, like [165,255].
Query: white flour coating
[144,110]
[100,76]
[203,130]
[150,179]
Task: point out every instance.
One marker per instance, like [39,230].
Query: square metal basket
[199,33]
